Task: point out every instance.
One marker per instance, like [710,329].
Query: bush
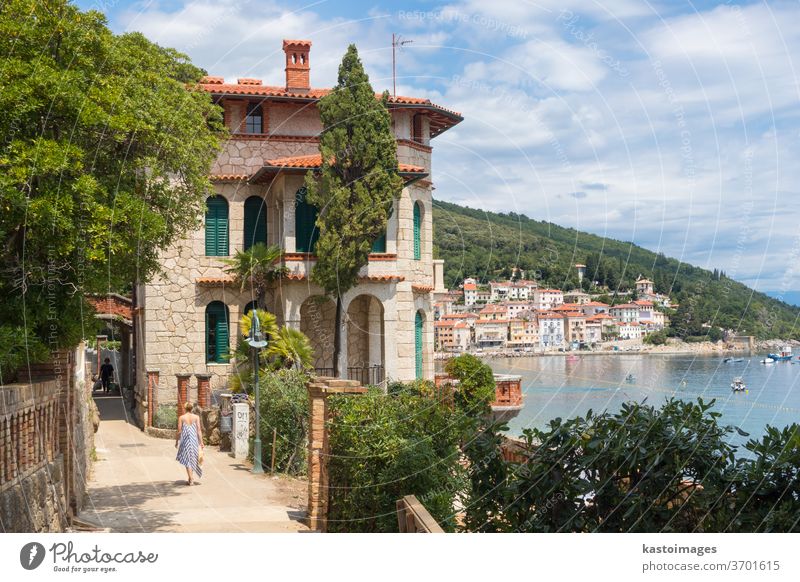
[385,446]
[166,416]
[284,406]
[476,387]
[657,338]
[641,470]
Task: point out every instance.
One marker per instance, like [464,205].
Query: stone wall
[47,427]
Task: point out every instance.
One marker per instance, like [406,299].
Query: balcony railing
[365,375]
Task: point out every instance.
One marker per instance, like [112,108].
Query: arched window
[305,220]
[417,231]
[255,221]
[216,227]
[249,307]
[419,323]
[217,336]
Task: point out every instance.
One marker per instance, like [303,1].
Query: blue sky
[672,124]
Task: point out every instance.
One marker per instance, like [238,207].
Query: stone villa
[189,319]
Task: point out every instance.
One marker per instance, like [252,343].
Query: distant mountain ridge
[488,245]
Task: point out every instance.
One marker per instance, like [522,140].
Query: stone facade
[378,328]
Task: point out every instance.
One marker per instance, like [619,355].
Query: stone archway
[317,318]
[365,340]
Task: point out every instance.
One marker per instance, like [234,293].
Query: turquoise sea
[567,386]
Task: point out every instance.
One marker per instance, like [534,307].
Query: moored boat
[784,355]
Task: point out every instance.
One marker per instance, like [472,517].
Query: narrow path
[138,486]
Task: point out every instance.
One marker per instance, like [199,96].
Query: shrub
[284,406]
[657,338]
[476,387]
[385,446]
[166,416]
[643,469]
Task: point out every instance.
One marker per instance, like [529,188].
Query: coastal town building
[493,312]
[470,293]
[576,296]
[574,327]
[545,299]
[593,308]
[629,330]
[189,318]
[491,333]
[625,312]
[551,329]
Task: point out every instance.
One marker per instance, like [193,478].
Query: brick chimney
[298,69]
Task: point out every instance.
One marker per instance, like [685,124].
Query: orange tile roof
[315,161]
[422,288]
[470,287]
[442,118]
[213,281]
[228,177]
[595,304]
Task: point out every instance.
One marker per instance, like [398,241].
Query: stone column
[152,394]
[318,449]
[183,390]
[203,390]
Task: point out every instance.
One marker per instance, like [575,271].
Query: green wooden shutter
[417,232]
[217,335]
[418,324]
[305,220]
[255,221]
[216,227]
[379,246]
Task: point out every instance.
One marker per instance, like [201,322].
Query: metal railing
[365,375]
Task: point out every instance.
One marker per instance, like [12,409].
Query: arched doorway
[365,340]
[317,318]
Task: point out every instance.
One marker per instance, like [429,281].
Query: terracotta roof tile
[228,177]
[213,281]
[422,288]
[315,161]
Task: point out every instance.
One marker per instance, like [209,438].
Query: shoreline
[672,347]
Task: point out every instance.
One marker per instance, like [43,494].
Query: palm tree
[291,348]
[258,266]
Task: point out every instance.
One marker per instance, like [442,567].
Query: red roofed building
[190,318]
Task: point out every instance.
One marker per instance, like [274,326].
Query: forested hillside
[487,245]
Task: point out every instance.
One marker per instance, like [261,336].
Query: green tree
[356,185]
[257,267]
[105,151]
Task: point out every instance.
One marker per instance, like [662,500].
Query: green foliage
[105,155]
[257,267]
[284,406]
[657,338]
[386,446]
[548,252]
[166,416]
[357,183]
[291,348]
[476,386]
[643,469]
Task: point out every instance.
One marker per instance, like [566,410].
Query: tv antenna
[397,43]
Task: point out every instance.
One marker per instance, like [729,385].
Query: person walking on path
[106,373]
[189,441]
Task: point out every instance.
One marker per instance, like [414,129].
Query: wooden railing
[412,517]
[29,428]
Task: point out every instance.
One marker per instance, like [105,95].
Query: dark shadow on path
[120,507]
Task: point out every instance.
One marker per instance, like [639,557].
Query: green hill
[488,245]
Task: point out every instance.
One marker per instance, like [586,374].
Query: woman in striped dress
[189,441]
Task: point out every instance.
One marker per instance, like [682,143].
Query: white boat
[738,385]
[767,361]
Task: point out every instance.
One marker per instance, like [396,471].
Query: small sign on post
[241,430]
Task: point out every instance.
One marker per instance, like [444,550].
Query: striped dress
[189,449]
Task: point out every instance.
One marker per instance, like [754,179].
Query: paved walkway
[138,486]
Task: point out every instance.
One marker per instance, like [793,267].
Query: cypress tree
[356,184]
